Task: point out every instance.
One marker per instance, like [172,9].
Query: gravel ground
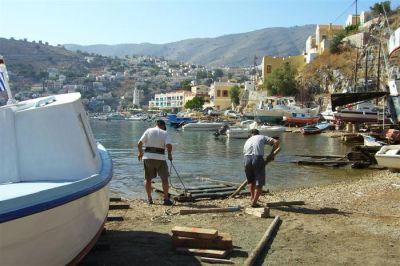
[349,223]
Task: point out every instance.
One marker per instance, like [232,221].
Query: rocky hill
[228,50]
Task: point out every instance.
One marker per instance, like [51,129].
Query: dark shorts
[254,169]
[154,168]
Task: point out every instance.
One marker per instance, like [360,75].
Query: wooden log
[223,242]
[211,253]
[195,232]
[222,182]
[118,206]
[172,191]
[216,195]
[320,162]
[219,261]
[320,156]
[198,191]
[209,210]
[259,212]
[205,187]
[239,189]
[285,203]
[260,246]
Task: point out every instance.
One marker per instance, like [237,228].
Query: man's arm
[169,150]
[275,147]
[140,150]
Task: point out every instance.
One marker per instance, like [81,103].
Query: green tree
[337,42]
[195,103]
[381,8]
[186,85]
[234,93]
[201,74]
[218,73]
[282,81]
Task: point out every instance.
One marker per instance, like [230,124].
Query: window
[225,93]
[218,93]
[269,68]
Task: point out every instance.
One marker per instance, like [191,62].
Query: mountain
[228,50]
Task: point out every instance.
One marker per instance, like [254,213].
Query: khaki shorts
[154,168]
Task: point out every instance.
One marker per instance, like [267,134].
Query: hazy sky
[161,21]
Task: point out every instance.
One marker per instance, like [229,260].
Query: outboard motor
[222,130]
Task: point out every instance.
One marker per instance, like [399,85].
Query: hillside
[228,50]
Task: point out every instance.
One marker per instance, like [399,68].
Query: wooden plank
[115,218]
[320,162]
[115,199]
[258,212]
[223,242]
[320,156]
[209,210]
[211,253]
[260,246]
[194,232]
[118,206]
[285,203]
[205,187]
[216,195]
[213,260]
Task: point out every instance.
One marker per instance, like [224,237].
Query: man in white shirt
[156,140]
[254,164]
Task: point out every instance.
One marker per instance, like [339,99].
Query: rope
[180,179]
[164,218]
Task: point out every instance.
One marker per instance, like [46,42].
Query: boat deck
[20,189]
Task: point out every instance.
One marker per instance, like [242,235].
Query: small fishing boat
[174,119]
[389,156]
[243,132]
[315,128]
[54,195]
[203,126]
[301,119]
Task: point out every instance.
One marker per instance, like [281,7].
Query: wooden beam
[209,210]
[199,191]
[118,206]
[239,189]
[213,260]
[115,218]
[223,242]
[285,203]
[115,199]
[212,253]
[222,182]
[259,212]
[195,232]
[260,246]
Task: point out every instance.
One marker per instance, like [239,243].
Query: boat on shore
[315,128]
[389,156]
[301,119]
[54,177]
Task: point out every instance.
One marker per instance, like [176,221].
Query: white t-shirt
[157,138]
[255,145]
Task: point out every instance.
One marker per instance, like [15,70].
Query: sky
[88,22]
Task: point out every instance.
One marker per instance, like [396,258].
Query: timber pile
[210,244]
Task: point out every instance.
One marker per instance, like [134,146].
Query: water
[198,155]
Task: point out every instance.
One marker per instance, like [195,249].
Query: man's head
[254,132]
[161,124]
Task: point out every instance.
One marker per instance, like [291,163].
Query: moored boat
[54,196]
[389,156]
[301,119]
[203,126]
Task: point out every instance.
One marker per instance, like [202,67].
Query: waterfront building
[269,63]
[219,94]
[169,100]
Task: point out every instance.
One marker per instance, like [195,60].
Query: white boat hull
[244,133]
[389,156]
[55,236]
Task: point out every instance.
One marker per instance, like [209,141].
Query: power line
[344,12]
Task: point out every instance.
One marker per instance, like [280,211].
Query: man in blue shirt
[254,164]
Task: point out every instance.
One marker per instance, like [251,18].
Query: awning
[340,99]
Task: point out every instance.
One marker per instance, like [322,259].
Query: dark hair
[160,123]
[254,131]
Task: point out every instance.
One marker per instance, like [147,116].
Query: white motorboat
[54,196]
[203,126]
[244,131]
[389,156]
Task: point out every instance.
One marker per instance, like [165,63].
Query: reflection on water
[201,154]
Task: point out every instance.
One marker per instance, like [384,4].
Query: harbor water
[200,155]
